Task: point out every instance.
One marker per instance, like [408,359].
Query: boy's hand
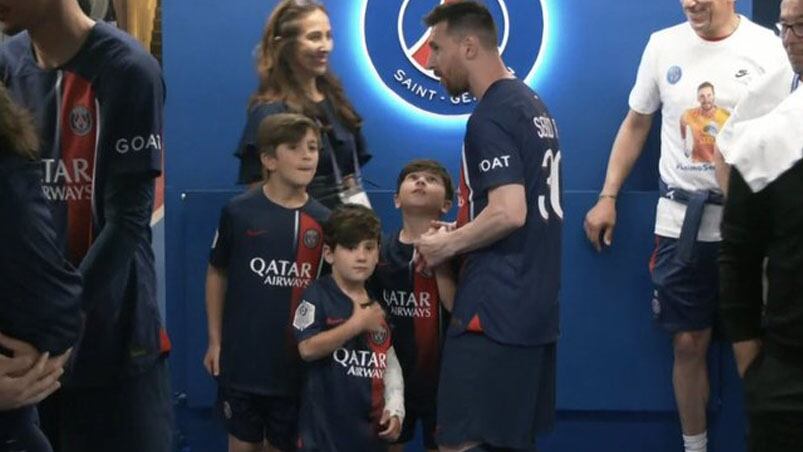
[212,360]
[392,427]
[369,317]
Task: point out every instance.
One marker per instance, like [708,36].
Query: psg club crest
[80,120]
[311,238]
[379,337]
[397,42]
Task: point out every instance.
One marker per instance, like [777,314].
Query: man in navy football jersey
[415,299]
[505,319]
[97,100]
[267,250]
[353,396]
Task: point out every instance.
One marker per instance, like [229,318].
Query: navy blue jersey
[343,396]
[39,290]
[270,254]
[338,139]
[416,317]
[100,122]
[509,289]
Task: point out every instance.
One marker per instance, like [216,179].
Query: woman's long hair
[277,82]
[17,132]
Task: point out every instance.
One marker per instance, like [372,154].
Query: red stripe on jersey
[164,341]
[309,249]
[427,329]
[378,381]
[159,191]
[78,126]
[463,197]
[475,326]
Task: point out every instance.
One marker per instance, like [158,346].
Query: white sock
[696,443]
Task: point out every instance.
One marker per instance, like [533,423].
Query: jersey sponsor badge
[305,315]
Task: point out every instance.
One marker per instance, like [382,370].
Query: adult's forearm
[627,148]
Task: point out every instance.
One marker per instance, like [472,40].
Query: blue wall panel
[614,366]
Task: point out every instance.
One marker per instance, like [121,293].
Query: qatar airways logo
[282,273]
[401,63]
[67,180]
[406,304]
[361,363]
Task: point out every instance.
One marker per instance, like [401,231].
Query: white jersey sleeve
[394,386]
[645,97]
[764,137]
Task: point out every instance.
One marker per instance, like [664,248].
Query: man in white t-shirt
[723,50]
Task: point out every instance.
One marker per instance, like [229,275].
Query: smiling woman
[294,76]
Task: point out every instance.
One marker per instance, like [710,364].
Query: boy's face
[294,163]
[422,191]
[353,265]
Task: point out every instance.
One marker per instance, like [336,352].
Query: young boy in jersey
[353,396]
[415,299]
[267,250]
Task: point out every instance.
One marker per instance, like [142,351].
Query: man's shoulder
[119,56]
[755,30]
[670,35]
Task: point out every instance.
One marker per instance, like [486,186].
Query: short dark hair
[465,16]
[429,166]
[349,225]
[705,85]
[283,128]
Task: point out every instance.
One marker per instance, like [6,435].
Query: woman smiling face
[313,44]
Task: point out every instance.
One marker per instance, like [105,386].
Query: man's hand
[33,383]
[369,317]
[600,222]
[212,359]
[29,353]
[745,353]
[433,248]
[392,427]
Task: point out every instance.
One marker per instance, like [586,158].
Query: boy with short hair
[353,396]
[416,299]
[267,250]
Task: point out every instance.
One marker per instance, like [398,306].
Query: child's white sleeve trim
[394,386]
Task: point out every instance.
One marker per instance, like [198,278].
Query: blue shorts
[495,394]
[685,296]
[254,418]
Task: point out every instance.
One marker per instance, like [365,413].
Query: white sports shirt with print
[674,66]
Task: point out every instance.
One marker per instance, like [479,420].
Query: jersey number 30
[551,166]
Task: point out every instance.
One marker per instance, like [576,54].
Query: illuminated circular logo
[397,42]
